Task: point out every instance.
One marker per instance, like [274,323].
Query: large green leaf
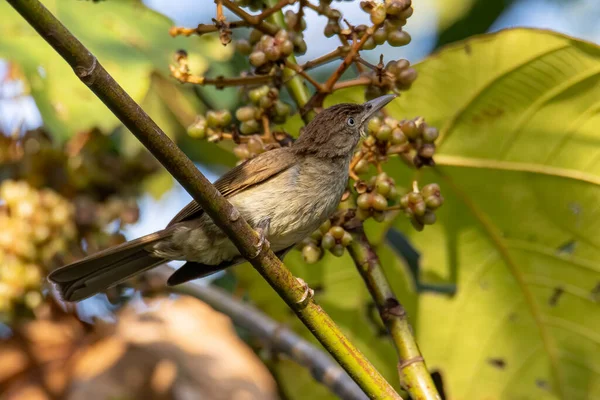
[130,40]
[519,165]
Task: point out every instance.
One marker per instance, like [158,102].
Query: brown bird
[285,194]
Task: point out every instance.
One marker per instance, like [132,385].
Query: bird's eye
[350,121]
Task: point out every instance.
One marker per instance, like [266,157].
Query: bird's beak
[372,107]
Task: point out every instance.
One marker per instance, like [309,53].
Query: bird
[285,194]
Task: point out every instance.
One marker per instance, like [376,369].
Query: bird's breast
[297,201]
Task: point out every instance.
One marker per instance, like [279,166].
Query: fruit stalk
[414,377]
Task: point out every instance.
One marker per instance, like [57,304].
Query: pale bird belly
[296,208]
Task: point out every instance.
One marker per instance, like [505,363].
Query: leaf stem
[414,377]
[87,67]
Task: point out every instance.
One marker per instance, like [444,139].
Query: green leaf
[130,40]
[518,163]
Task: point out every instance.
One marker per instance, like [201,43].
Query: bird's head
[335,131]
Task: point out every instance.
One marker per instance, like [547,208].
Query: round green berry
[398,38]
[337,250]
[258,58]
[311,254]
[328,241]
[379,202]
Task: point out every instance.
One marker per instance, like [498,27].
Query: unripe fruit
[337,232]
[419,208]
[218,118]
[374,125]
[414,197]
[430,134]
[346,239]
[258,93]
[379,216]
[325,226]
[328,241]
[361,167]
[398,136]
[427,150]
[429,218]
[398,38]
[337,250]
[266,102]
[393,193]
[378,202]
[273,53]
[410,129]
[380,36]
[384,133]
[378,14]
[249,127]
[434,202]
[243,47]
[311,254]
[369,44]
[258,58]
[362,214]
[282,35]
[198,129]
[287,47]
[255,145]
[364,201]
[418,225]
[383,187]
[432,189]
[255,36]
[245,113]
[406,77]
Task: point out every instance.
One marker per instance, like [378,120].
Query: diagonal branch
[93,74]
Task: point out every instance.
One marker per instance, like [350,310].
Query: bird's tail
[105,269]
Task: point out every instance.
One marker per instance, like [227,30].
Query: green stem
[93,74]
[414,377]
[295,84]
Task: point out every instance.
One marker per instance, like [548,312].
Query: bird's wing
[252,172]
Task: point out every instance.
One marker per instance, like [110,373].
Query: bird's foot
[308,292]
[262,229]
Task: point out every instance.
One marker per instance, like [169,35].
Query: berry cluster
[263,107]
[327,237]
[37,225]
[210,126]
[397,75]
[420,206]
[393,15]
[375,196]
[412,138]
[267,49]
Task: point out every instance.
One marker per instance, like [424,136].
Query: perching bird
[285,194]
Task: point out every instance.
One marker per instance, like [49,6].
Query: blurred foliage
[56,202]
[517,236]
[130,40]
[153,354]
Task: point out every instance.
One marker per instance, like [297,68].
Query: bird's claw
[263,243]
[308,292]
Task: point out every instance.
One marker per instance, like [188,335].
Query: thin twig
[262,26]
[301,72]
[335,54]
[414,377]
[201,29]
[225,216]
[360,81]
